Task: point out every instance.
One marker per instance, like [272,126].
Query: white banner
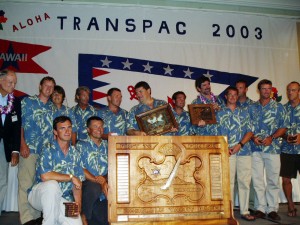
[104,46]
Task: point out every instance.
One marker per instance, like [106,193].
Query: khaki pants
[26,178]
[241,167]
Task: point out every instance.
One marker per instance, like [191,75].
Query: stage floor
[12,218]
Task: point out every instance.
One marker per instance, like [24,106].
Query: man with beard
[205,96]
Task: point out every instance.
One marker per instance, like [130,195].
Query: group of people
[64,154]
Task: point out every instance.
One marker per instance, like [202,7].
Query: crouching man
[58,177]
[94,158]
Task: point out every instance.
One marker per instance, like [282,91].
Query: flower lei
[8,108]
[213,98]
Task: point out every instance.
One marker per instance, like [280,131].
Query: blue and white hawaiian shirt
[245,104]
[52,159]
[81,116]
[138,109]
[266,120]
[184,123]
[94,158]
[65,111]
[235,125]
[293,117]
[37,122]
[114,123]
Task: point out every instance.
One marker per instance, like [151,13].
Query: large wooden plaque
[169,180]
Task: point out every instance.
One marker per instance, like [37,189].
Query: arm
[278,133]
[24,149]
[101,180]
[61,178]
[77,193]
[244,140]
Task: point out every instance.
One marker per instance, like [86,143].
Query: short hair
[295,82]
[89,120]
[47,78]
[60,90]
[4,73]
[230,88]
[242,81]
[174,96]
[143,84]
[60,119]
[201,80]
[79,89]
[264,81]
[110,91]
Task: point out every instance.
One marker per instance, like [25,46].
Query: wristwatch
[242,145]
[273,137]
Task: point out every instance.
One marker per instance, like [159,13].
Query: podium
[169,180]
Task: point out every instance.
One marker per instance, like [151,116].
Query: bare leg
[287,188]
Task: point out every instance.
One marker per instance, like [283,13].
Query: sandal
[248,217]
[292,212]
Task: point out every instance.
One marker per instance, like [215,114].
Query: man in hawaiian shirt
[270,122]
[113,115]
[182,117]
[146,103]
[95,163]
[37,119]
[234,122]
[290,149]
[58,177]
[10,128]
[82,111]
[243,100]
[60,109]
[205,96]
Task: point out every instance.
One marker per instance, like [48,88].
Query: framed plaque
[157,121]
[204,112]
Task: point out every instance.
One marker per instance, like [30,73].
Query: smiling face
[46,88]
[231,97]
[8,83]
[57,98]
[95,129]
[205,88]
[143,95]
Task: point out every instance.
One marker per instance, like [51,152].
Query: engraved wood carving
[168,179]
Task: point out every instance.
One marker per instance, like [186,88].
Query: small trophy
[71,209]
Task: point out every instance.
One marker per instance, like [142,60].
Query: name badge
[14,118]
